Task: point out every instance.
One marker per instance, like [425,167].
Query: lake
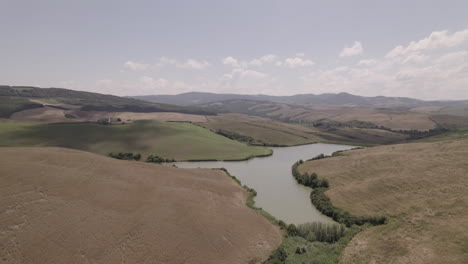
[277,190]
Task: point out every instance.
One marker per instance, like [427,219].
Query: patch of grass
[181,141]
[314,252]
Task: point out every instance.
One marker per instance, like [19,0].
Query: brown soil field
[420,187]
[68,206]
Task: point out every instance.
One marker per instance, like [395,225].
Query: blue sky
[395,48]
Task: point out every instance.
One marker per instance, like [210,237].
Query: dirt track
[67,206]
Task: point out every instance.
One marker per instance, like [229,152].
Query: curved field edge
[173,140]
[96,209]
[287,252]
[420,187]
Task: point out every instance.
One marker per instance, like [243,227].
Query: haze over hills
[17,98]
[194,98]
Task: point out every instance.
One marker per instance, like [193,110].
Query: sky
[405,48]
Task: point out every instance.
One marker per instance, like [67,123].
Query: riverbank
[419,186]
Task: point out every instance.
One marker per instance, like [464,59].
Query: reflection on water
[277,190]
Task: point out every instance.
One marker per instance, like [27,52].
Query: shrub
[292,230]
[125,156]
[278,256]
[322,232]
[157,159]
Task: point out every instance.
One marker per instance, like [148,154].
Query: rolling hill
[68,206]
[173,140]
[193,98]
[18,98]
[420,187]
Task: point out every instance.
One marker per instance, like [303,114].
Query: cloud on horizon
[433,67]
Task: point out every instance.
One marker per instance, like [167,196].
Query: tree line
[137,156]
[324,204]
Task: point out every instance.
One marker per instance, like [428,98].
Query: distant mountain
[17,98]
[194,98]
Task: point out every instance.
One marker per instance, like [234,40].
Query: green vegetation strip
[306,243]
[324,204]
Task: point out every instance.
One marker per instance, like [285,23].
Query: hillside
[173,140]
[18,98]
[420,187]
[193,98]
[68,206]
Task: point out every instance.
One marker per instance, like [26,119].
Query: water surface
[277,190]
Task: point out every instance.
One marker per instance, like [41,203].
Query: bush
[103,121]
[292,230]
[125,156]
[278,256]
[322,232]
[236,136]
[157,159]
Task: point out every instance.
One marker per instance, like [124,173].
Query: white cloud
[297,62]
[436,40]
[415,58]
[270,58]
[194,64]
[136,66]
[231,61]
[436,75]
[300,54]
[369,62]
[244,74]
[354,50]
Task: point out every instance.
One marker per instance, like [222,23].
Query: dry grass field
[265,130]
[68,206]
[420,187]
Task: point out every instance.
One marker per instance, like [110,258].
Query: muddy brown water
[277,191]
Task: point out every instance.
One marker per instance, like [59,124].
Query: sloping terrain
[52,114]
[180,141]
[66,206]
[396,119]
[420,187]
[193,98]
[14,99]
[263,130]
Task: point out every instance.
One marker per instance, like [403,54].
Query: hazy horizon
[416,49]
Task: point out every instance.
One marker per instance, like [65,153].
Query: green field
[181,141]
[269,132]
[10,105]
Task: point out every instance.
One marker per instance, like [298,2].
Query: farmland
[420,187]
[67,206]
[181,141]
